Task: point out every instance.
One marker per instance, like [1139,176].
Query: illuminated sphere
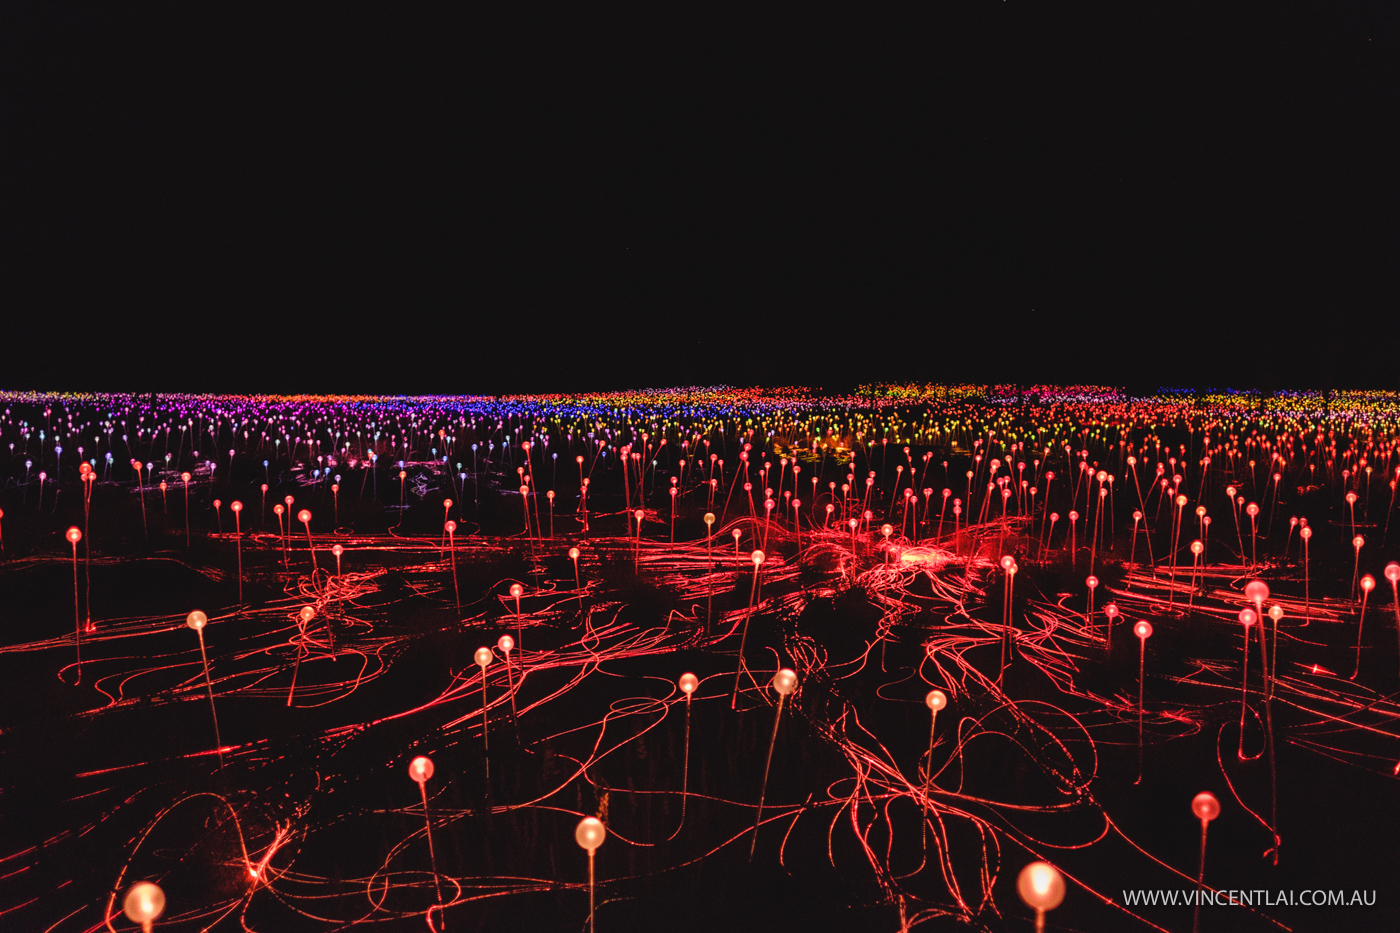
[483,657]
[1091,582]
[1368,583]
[185,477]
[936,700]
[689,683]
[303,516]
[277,510]
[1143,629]
[236,505]
[337,550]
[506,644]
[1007,561]
[709,518]
[1306,533]
[144,902]
[1276,612]
[1041,886]
[524,490]
[639,514]
[1073,516]
[446,503]
[1197,547]
[590,833]
[573,553]
[451,526]
[74,535]
[420,768]
[886,530]
[196,620]
[1137,516]
[1256,591]
[1357,542]
[403,474]
[1180,501]
[757,557]
[1351,498]
[1392,572]
[1205,806]
[1251,510]
[307,614]
[1247,617]
[162,482]
[1111,610]
[785,681]
[1200,511]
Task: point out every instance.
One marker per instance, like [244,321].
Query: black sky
[369,198]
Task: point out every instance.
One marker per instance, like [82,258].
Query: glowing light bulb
[1368,583]
[1247,617]
[74,535]
[936,700]
[1041,886]
[590,833]
[1205,806]
[1143,629]
[689,683]
[483,657]
[144,902]
[1392,572]
[516,590]
[196,620]
[1256,591]
[785,681]
[757,558]
[420,768]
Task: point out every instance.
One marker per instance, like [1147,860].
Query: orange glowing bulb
[196,620]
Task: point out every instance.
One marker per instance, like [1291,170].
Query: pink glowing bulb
[1256,591]
[936,700]
[757,558]
[590,834]
[1111,610]
[689,683]
[1143,629]
[573,553]
[449,525]
[1368,583]
[421,769]
[1197,547]
[1305,533]
[516,590]
[74,535]
[886,530]
[1251,510]
[304,516]
[1357,542]
[196,620]
[1007,561]
[236,505]
[1248,617]
[506,644]
[144,902]
[1041,886]
[1091,582]
[1392,572]
[785,681]
[483,657]
[1351,497]
[1205,806]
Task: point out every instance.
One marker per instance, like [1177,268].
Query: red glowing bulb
[1143,629]
[1205,806]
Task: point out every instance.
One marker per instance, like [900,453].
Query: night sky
[369,199]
